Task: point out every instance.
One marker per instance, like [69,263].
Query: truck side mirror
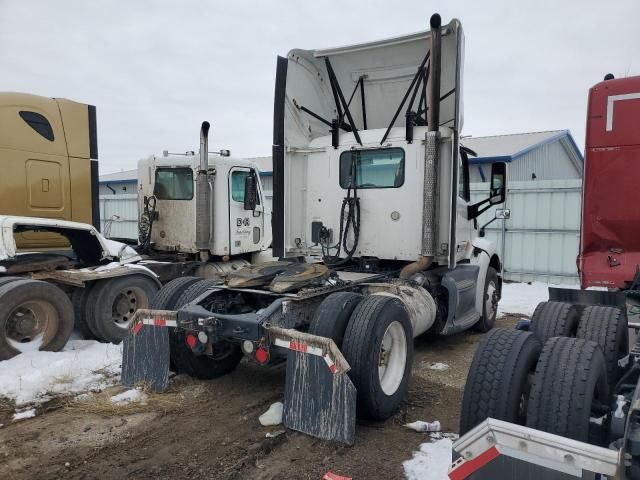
[497,191]
[250,192]
[498,186]
[500,214]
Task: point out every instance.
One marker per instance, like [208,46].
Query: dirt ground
[210,429]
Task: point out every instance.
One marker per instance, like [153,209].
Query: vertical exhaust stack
[432,153]
[203,196]
[204,147]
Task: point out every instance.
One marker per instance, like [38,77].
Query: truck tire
[5,280]
[490,298]
[34,315]
[561,399]
[201,366]
[332,315]
[498,381]
[554,319]
[166,297]
[607,326]
[112,303]
[79,301]
[378,344]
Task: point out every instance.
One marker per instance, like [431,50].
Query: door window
[238,178]
[463,176]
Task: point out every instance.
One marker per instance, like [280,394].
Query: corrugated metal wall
[547,162]
[119,216]
[542,236]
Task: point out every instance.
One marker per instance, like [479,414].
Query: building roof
[506,148]
[125,176]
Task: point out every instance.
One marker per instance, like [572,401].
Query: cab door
[246,227]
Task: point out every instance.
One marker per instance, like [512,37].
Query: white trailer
[377,238]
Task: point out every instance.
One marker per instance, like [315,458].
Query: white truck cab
[377,239]
[234,229]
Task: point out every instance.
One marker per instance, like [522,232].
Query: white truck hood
[88,244]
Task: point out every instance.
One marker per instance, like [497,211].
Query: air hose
[146,224]
[349,221]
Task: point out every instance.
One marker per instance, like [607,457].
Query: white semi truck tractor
[194,223]
[375,233]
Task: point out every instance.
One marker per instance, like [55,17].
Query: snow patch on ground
[83,365]
[439,366]
[134,395]
[523,297]
[24,414]
[431,462]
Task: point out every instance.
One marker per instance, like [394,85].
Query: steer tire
[332,315]
[363,340]
[607,326]
[490,298]
[166,297]
[201,366]
[104,316]
[554,319]
[79,300]
[571,374]
[498,381]
[46,303]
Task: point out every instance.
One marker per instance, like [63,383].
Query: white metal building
[551,155]
[540,240]
[119,183]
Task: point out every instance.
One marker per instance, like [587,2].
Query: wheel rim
[491,300]
[125,304]
[392,358]
[31,325]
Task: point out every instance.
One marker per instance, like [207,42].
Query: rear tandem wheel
[378,344]
[226,355]
[34,315]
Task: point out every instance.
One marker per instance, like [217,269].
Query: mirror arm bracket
[474,211]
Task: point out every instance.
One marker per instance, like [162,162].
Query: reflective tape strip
[310,349]
[155,322]
[159,322]
[330,364]
[463,468]
[616,98]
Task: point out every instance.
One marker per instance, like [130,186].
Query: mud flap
[145,350]
[320,399]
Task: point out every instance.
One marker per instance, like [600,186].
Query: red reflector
[262,355]
[192,341]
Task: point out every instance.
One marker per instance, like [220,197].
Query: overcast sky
[156,69]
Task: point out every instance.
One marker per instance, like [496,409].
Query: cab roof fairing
[388,67]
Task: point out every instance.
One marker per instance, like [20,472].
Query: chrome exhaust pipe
[431,155]
[204,194]
[204,146]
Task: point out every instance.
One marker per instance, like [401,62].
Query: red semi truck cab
[610,234]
